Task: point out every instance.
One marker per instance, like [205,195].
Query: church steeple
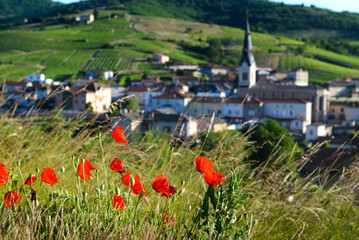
[247,51]
[247,64]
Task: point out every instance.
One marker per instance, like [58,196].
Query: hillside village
[199,97]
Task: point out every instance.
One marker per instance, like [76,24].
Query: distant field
[334,57]
[319,71]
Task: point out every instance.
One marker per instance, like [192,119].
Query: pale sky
[335,5]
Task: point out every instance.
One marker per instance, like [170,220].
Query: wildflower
[84,169]
[166,218]
[118,202]
[202,164]
[11,198]
[4,176]
[48,176]
[30,180]
[161,185]
[117,166]
[126,179]
[118,135]
[33,194]
[213,178]
[138,187]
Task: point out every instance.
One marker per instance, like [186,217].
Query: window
[333,110]
[342,110]
[311,132]
[251,113]
[219,112]
[229,111]
[296,124]
[195,110]
[245,76]
[209,111]
[167,129]
[291,113]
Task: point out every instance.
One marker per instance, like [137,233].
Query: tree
[272,141]
[131,104]
[214,49]
[95,14]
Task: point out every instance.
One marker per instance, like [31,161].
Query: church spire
[247,51]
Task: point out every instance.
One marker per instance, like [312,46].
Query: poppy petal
[84,170]
[118,135]
[11,198]
[118,202]
[48,176]
[137,188]
[161,185]
[173,190]
[126,179]
[117,166]
[202,164]
[30,180]
[213,178]
[4,176]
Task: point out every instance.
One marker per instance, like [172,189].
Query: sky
[335,5]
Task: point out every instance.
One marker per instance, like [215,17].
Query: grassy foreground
[250,204]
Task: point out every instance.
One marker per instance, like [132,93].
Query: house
[117,92]
[340,111]
[316,130]
[128,121]
[144,94]
[176,100]
[19,93]
[99,73]
[184,66]
[211,69]
[147,82]
[340,142]
[206,106]
[299,76]
[90,18]
[35,78]
[211,90]
[161,59]
[341,88]
[206,123]
[77,98]
[294,115]
[78,82]
[188,80]
[169,121]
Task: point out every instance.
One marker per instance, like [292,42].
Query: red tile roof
[285,101]
[173,95]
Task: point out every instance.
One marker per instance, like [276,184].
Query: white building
[299,76]
[40,78]
[144,94]
[176,100]
[161,59]
[317,130]
[295,115]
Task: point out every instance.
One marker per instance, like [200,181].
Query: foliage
[273,141]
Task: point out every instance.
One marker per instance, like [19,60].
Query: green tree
[131,104]
[273,142]
[214,49]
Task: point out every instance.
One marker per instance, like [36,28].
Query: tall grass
[256,200]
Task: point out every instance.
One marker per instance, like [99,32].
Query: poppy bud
[183,182]
[62,169]
[102,187]
[37,203]
[132,181]
[118,191]
[33,194]
[142,193]
[37,170]
[18,163]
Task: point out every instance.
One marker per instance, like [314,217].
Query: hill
[266,16]
[61,48]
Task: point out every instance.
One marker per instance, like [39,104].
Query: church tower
[247,65]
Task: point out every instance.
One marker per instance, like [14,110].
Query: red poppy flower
[4,176]
[84,170]
[137,188]
[30,180]
[126,179]
[166,218]
[213,178]
[117,166]
[11,198]
[118,202]
[118,135]
[202,164]
[48,176]
[161,185]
